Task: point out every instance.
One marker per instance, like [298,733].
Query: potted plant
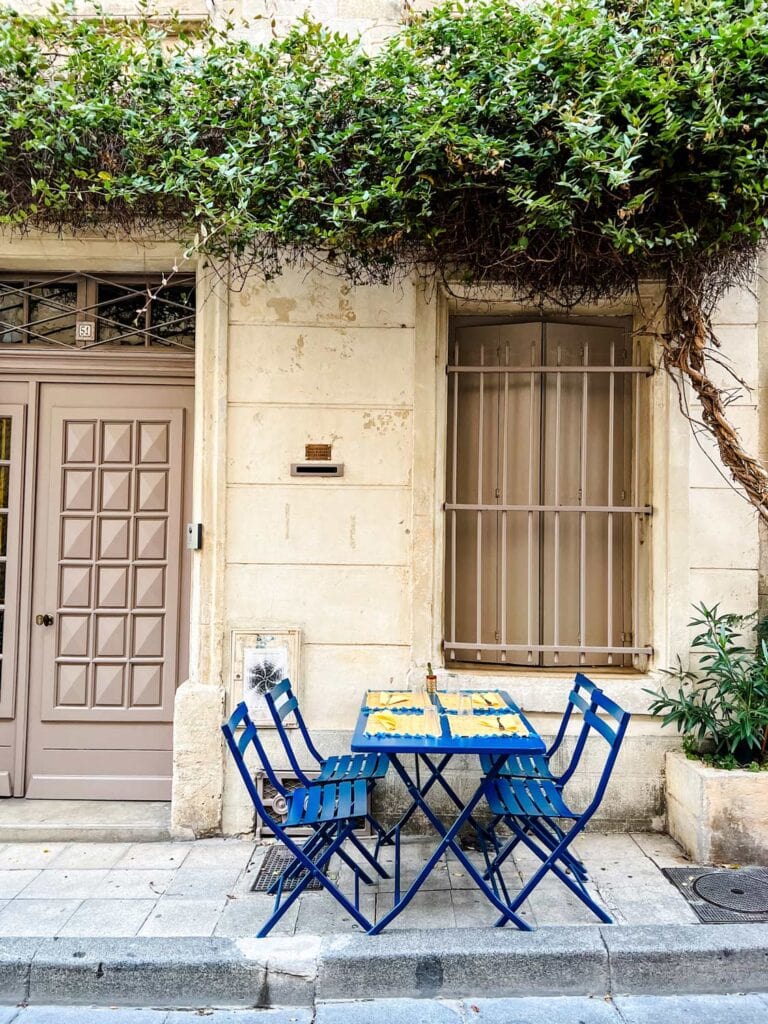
[717,787]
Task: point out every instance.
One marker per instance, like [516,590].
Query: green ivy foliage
[569,149]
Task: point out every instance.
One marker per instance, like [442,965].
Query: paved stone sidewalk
[203,888]
[734,1009]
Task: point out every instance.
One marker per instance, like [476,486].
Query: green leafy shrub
[721,707]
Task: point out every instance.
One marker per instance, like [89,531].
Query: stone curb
[303,970]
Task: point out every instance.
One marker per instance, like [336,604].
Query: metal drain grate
[276,860]
[723,895]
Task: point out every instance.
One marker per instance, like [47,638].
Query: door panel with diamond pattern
[111,574]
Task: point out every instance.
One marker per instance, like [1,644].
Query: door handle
[44,620]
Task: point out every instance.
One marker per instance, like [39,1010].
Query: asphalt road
[734,1009]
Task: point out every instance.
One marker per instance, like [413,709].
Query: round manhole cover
[743,890]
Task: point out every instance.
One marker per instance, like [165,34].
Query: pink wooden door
[109,590]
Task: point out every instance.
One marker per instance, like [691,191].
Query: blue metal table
[434,753]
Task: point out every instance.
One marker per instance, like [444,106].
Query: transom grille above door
[545,517]
[86,311]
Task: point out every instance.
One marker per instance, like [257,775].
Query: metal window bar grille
[545,524]
[122,311]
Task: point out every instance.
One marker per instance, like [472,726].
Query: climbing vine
[568,150]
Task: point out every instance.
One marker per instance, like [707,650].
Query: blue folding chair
[538,766]
[368,768]
[330,810]
[533,809]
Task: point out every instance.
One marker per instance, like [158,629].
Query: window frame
[86,310]
[469,655]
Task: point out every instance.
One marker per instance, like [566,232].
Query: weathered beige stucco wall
[356,563]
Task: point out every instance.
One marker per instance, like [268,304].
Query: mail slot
[317,468]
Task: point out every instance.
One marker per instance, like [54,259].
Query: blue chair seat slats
[535,798]
[367,768]
[338,768]
[533,766]
[332,801]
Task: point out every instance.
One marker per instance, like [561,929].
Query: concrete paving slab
[688,958]
[437,879]
[27,856]
[322,915]
[89,1015]
[427,909]
[13,881]
[244,917]
[472,910]
[108,918]
[555,906]
[723,1009]
[220,853]
[648,910]
[40,918]
[69,884]
[203,882]
[169,856]
[134,884]
[89,855]
[174,916]
[563,1010]
[394,1011]
[661,849]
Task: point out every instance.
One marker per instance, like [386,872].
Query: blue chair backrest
[581,685]
[582,688]
[608,721]
[238,744]
[282,702]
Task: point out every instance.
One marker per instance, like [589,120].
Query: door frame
[36,368]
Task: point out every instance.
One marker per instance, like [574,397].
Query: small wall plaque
[315,452]
[261,658]
[85,330]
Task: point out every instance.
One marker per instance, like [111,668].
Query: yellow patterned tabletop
[397,700]
[417,724]
[487,725]
[482,700]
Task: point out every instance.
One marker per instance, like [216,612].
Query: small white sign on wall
[260,659]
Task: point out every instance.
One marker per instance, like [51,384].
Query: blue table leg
[437,776]
[447,841]
[413,806]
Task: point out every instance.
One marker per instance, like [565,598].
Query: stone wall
[355,563]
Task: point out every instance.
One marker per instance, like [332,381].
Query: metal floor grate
[276,860]
[723,895]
